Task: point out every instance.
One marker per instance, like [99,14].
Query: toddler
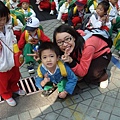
[30,38]
[53,72]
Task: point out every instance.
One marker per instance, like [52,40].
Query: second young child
[30,38]
[53,72]
[9,73]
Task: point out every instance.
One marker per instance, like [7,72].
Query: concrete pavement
[91,103]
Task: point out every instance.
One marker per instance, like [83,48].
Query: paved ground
[91,102]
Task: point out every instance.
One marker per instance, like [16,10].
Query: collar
[48,70]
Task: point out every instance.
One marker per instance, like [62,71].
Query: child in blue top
[53,72]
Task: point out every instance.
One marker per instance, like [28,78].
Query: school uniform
[9,74]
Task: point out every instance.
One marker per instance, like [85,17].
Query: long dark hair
[4,11]
[79,41]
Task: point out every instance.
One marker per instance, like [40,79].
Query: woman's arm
[82,67]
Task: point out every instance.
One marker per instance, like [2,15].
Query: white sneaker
[20,92]
[63,22]
[104,84]
[11,101]
[40,8]
[52,12]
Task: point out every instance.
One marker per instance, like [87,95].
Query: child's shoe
[37,1]
[62,21]
[11,101]
[40,8]
[52,12]
[30,68]
[104,84]
[20,92]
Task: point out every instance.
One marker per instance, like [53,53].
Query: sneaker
[52,12]
[46,93]
[62,21]
[40,8]
[20,92]
[30,68]
[37,2]
[11,101]
[104,84]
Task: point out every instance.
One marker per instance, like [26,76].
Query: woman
[88,59]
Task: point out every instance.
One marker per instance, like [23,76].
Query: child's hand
[113,21]
[35,56]
[66,57]
[46,78]
[0,46]
[63,94]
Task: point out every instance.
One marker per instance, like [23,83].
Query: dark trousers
[97,70]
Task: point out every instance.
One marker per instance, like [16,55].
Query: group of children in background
[52,71]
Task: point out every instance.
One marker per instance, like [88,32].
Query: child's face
[100,10]
[32,33]
[68,1]
[49,59]
[14,0]
[80,8]
[25,5]
[114,2]
[2,22]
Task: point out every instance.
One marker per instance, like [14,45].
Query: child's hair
[4,11]
[48,45]
[105,5]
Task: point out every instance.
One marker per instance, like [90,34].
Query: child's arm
[44,37]
[72,80]
[95,22]
[22,41]
[33,13]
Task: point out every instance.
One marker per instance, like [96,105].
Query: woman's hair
[79,41]
[4,11]
[105,4]
[48,45]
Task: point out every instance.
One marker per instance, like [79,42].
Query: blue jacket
[57,77]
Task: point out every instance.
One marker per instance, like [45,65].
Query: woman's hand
[63,94]
[66,57]
[113,21]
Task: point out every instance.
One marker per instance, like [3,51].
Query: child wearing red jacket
[30,40]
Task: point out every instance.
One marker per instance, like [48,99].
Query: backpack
[107,40]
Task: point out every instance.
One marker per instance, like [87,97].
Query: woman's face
[65,41]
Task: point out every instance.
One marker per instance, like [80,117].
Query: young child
[47,4]
[9,73]
[30,38]
[28,12]
[53,72]
[12,4]
[63,12]
[113,16]
[76,14]
[99,20]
